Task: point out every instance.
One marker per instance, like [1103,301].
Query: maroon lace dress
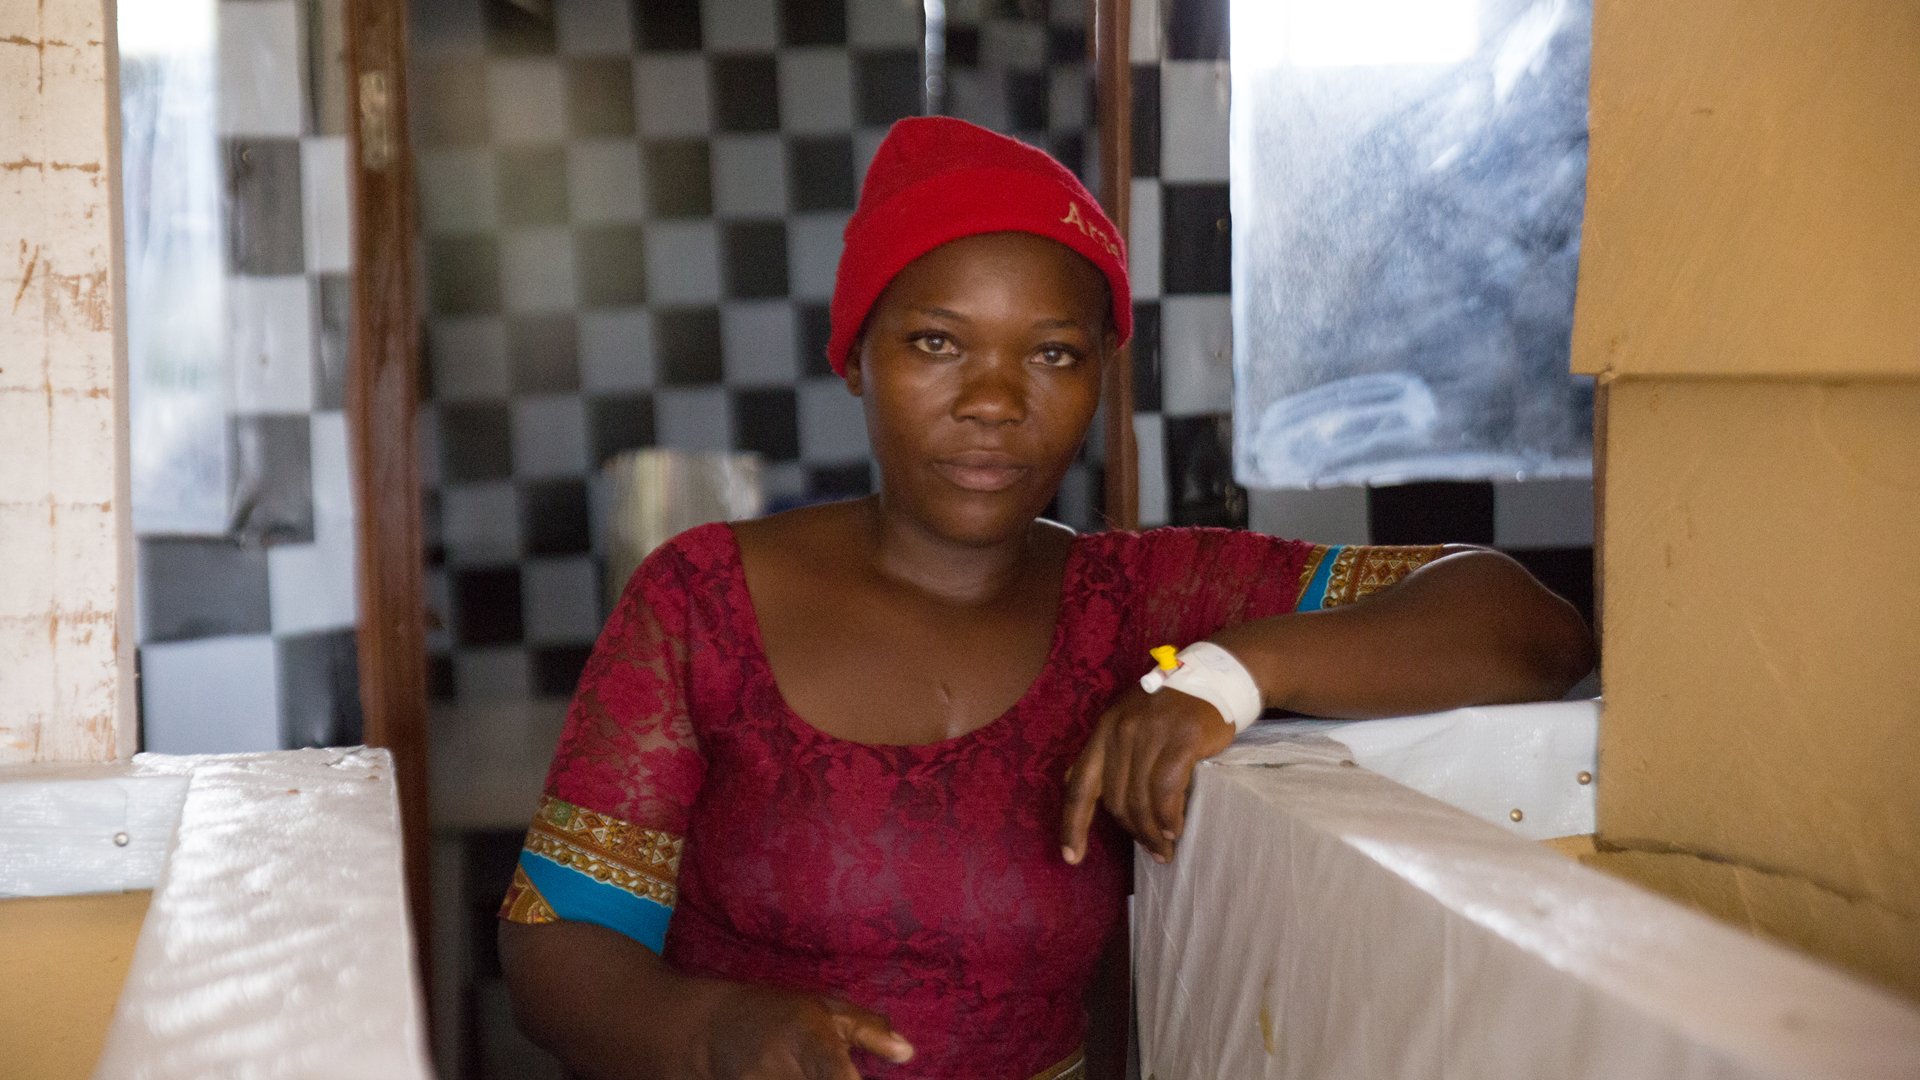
[924,882]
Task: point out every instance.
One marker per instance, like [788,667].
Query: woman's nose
[992,391]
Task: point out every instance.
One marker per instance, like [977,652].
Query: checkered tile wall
[1022,69]
[247,643]
[632,216]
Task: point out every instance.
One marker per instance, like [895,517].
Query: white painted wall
[66,647]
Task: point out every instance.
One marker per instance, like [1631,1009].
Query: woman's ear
[1109,356]
[852,374]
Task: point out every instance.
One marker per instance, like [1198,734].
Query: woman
[824,805]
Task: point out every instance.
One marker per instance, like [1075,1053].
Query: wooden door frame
[1112,35]
[383,407]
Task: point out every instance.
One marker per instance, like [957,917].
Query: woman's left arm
[1470,628]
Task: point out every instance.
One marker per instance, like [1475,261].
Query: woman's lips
[981,470]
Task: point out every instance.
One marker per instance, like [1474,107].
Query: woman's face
[980,368]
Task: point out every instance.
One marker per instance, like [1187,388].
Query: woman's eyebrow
[1055,323]
[1059,324]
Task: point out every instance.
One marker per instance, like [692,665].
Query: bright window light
[163,27]
[1354,33]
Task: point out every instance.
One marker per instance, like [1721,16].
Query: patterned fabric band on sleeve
[592,867]
[1339,575]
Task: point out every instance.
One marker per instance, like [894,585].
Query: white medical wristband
[1213,675]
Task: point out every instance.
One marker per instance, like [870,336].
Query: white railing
[1324,921]
[276,942]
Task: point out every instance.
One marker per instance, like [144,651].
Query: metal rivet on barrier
[121,839]
[1585,778]
[1516,815]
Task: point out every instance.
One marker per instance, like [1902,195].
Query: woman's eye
[938,344]
[1057,356]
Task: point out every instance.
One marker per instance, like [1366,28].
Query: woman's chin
[987,519]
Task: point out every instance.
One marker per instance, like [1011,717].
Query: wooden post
[383,380]
[1113,90]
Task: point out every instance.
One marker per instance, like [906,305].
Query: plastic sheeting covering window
[176,307]
[1408,184]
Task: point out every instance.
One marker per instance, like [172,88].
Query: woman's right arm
[609,1008]
[574,983]
[592,897]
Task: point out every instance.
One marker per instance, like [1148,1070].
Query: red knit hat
[936,179]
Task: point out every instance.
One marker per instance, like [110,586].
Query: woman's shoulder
[692,552]
[1181,554]
[804,532]
[1177,540]
[806,535]
[726,550]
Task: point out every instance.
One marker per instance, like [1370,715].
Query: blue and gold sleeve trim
[590,867]
[1315,575]
[1337,575]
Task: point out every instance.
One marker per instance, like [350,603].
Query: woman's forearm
[1470,628]
[607,1006]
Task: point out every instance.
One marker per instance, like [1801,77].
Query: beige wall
[66,647]
[1750,295]
[63,960]
[1762,657]
[1751,190]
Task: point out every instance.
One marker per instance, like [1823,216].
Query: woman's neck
[905,553]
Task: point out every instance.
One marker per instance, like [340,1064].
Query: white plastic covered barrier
[276,943]
[1324,921]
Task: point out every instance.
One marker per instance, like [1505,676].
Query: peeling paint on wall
[65,658]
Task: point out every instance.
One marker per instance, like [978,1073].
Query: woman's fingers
[1116,791]
[824,1059]
[764,1034]
[836,1066]
[1200,735]
[1140,732]
[1139,765]
[871,1032]
[827,1055]
[1179,733]
[1084,782]
[1168,783]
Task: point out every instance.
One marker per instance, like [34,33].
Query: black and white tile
[246,642]
[632,217]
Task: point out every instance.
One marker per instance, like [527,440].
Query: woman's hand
[1139,764]
[753,1033]
[610,1009]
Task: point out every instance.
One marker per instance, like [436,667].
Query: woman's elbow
[1557,646]
[1547,641]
